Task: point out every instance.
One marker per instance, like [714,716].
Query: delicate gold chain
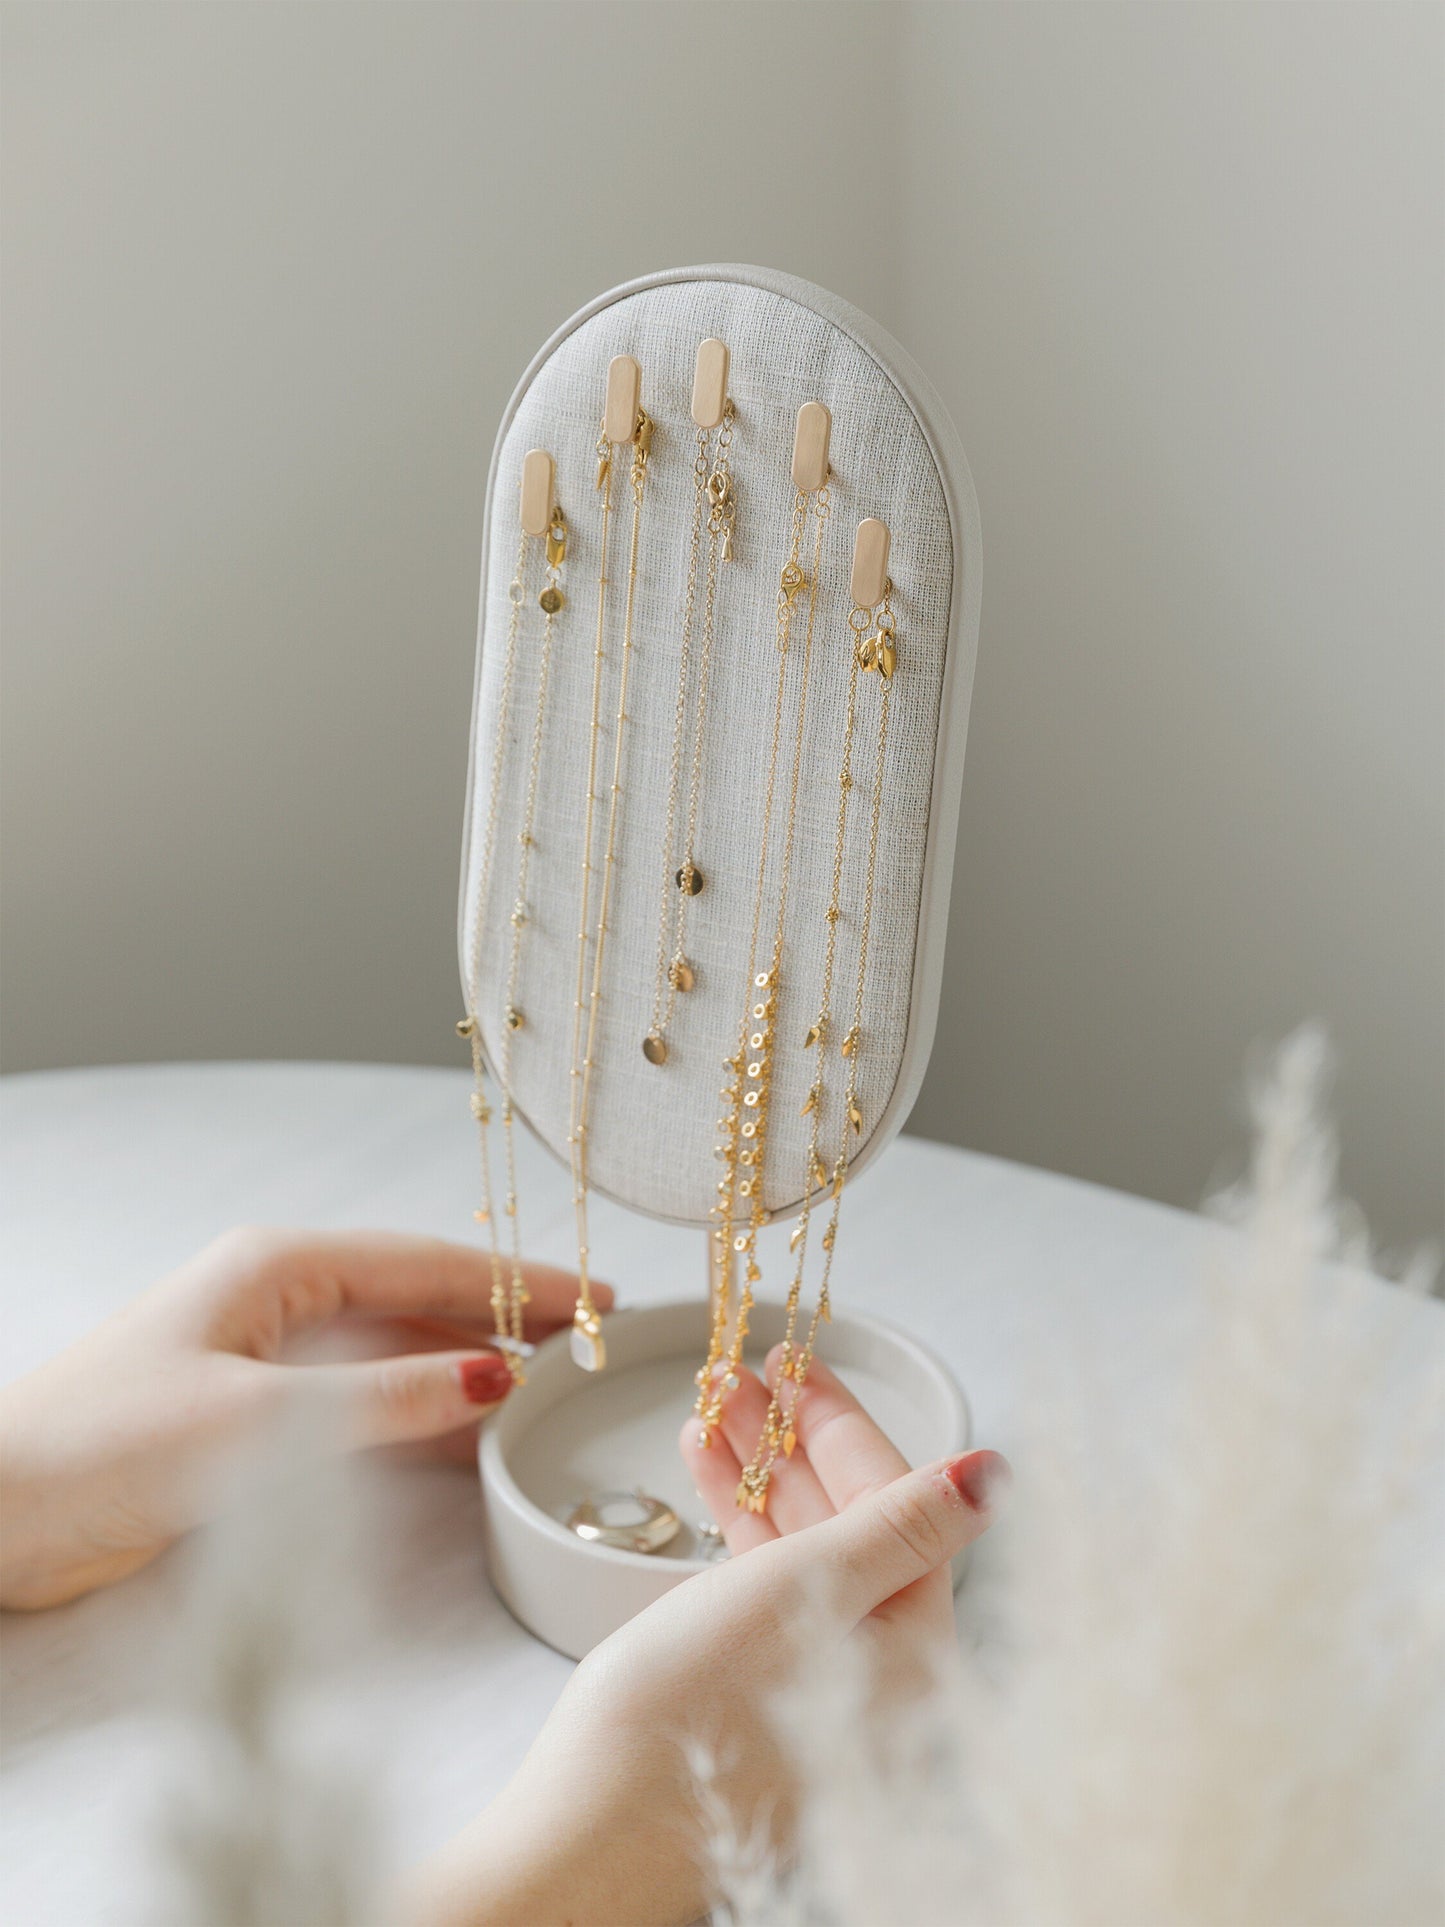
[654,1046]
[470,1026]
[551,601]
[746,1123]
[877,653]
[587,1326]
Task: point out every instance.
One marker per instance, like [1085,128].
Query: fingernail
[979,1479]
[485,1380]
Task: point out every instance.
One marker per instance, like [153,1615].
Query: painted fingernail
[979,1479]
[485,1380]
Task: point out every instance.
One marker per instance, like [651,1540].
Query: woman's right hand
[600,1825]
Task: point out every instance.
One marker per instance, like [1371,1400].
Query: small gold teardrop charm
[795,1237]
[790,1440]
[654,1048]
[815,1032]
[818,1170]
[828,1239]
[810,1103]
[855,1116]
[850,1042]
[515,1019]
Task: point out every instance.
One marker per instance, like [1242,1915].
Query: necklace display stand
[568,1435]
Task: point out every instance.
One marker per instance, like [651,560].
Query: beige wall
[270,273]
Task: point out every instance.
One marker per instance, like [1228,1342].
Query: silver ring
[630,1521]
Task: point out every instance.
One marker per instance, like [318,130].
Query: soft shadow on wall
[271,274]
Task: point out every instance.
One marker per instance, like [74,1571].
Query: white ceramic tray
[567,1436]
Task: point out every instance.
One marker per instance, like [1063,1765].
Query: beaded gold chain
[714,510]
[743,1127]
[509,1294]
[872,654]
[588,1347]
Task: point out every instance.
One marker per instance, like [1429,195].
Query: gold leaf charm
[790,1440]
[855,1116]
[818,1171]
[810,1103]
[815,1032]
[796,1238]
[850,1043]
[887,654]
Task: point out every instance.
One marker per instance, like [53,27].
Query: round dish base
[568,1436]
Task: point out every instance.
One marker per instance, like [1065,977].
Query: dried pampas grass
[1209,1689]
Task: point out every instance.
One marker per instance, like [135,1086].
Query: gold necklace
[623,422]
[744,1126]
[714,509]
[541,516]
[875,653]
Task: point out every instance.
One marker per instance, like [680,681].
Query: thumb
[909,1528]
[391,1401]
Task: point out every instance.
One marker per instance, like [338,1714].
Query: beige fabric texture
[653,1129]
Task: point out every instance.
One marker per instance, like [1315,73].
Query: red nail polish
[978,1477]
[485,1380]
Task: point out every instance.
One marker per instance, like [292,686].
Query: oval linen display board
[895,458]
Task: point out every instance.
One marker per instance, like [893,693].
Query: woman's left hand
[109,1452]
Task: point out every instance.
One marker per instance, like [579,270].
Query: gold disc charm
[654,1048]
[515,1019]
[551,600]
[689,878]
[681,974]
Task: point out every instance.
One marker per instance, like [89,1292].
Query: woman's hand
[600,1825]
[109,1452]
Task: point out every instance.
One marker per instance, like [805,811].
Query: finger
[913,1527]
[385,1273]
[850,1454]
[421,1395]
[795,1497]
[715,1472]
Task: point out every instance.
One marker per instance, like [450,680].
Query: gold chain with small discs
[735,1146]
[753,1066]
[586,1323]
[814,1170]
[470,1026]
[552,601]
[878,654]
[653,1046]
[721,519]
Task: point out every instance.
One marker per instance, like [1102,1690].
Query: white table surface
[113,1176]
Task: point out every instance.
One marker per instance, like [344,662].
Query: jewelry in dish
[627,1521]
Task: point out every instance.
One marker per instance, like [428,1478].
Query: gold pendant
[515,1019]
[790,1440]
[552,600]
[850,1043]
[689,878]
[588,1348]
[682,976]
[797,1237]
[810,1102]
[557,540]
[654,1048]
[815,1032]
[466,1027]
[855,1116]
[791,581]
[818,1171]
